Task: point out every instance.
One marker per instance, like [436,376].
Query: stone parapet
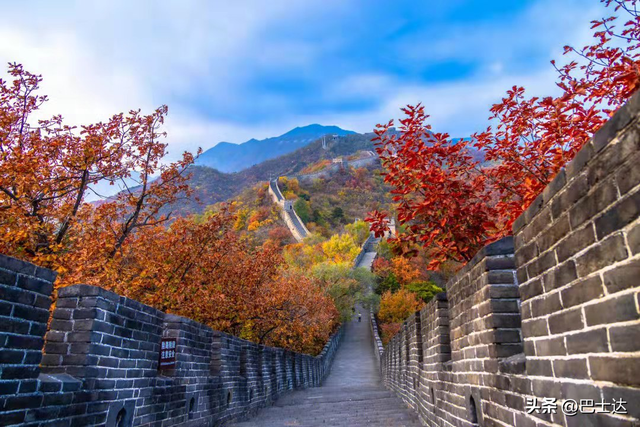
[100,365]
[551,313]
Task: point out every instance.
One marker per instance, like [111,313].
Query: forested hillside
[211,186]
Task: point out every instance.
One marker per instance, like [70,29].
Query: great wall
[550,316]
[293,222]
[535,327]
[289,215]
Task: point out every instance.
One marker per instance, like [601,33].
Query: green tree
[342,283]
[389,283]
[424,290]
[337,213]
[303,209]
[359,230]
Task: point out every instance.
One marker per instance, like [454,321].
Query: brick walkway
[352,394]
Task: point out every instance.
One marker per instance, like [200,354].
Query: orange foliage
[196,267]
[404,271]
[388,330]
[381,267]
[396,307]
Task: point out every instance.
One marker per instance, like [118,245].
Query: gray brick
[35,285]
[541,264]
[539,367]
[575,242]
[623,277]
[609,251]
[633,237]
[612,310]
[531,289]
[625,338]
[567,320]
[623,371]
[618,216]
[553,234]
[592,341]
[560,276]
[570,368]
[582,291]
[550,347]
[574,191]
[535,328]
[593,203]
[629,395]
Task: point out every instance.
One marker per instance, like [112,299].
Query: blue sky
[230,71]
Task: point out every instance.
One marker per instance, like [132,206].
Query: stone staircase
[352,395]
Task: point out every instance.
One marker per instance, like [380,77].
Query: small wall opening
[433,396]
[121,417]
[120,414]
[192,407]
[250,394]
[473,411]
[229,398]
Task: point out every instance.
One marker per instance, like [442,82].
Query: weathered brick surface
[557,316]
[101,357]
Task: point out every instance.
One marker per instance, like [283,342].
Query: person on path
[359,317]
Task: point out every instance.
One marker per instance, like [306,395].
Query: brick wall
[553,312]
[100,365]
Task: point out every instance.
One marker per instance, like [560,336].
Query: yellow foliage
[341,248]
[395,308]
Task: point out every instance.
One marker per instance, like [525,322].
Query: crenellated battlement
[552,312]
[101,360]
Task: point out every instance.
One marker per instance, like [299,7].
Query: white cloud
[99,58]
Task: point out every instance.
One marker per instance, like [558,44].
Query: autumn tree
[199,266]
[450,203]
[394,309]
[47,169]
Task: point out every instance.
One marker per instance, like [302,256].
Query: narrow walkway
[369,256]
[352,394]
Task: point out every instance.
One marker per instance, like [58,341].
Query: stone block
[569,195]
[610,250]
[592,341]
[613,310]
[619,215]
[570,368]
[565,321]
[625,338]
[623,371]
[560,276]
[622,277]
[550,347]
[593,203]
[582,291]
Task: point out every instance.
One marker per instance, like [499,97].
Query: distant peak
[316,130]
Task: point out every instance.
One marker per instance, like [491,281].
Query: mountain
[228,157]
[211,186]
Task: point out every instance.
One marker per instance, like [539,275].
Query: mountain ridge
[229,157]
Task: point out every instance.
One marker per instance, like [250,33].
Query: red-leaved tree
[454,205]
